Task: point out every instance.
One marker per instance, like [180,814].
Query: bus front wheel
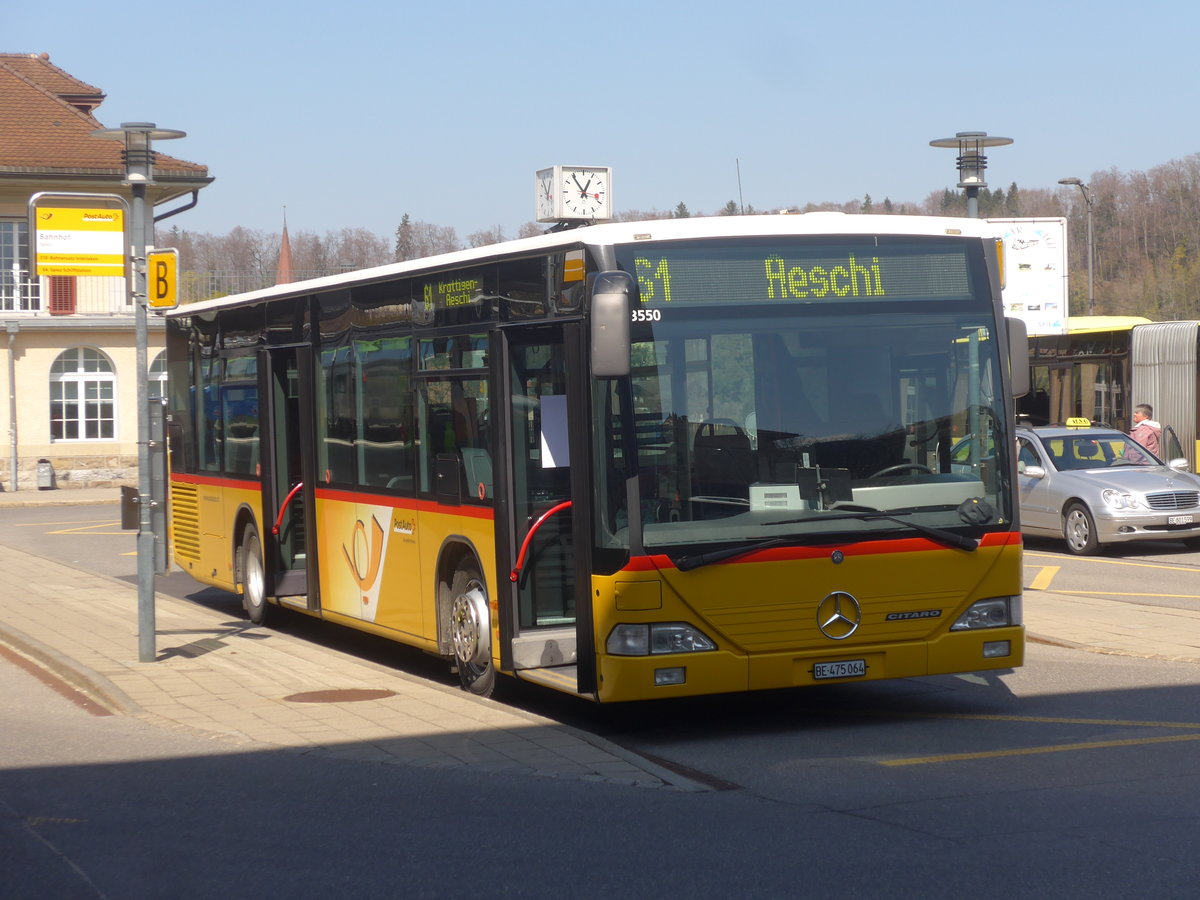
[252,576]
[471,631]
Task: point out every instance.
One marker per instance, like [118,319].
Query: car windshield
[1096,450]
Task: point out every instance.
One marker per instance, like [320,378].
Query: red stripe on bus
[863,548]
[474,512]
[214,481]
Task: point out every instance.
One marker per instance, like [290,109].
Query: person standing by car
[1145,430]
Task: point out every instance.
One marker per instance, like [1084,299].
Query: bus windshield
[819,421]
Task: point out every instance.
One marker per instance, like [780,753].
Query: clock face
[544,195]
[585,193]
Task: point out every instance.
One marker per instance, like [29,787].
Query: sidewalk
[31,496]
[221,676]
[224,677]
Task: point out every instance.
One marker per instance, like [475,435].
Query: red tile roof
[46,123]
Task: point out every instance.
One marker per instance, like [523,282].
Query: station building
[68,344]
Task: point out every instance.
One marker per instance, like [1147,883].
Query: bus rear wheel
[471,631]
[252,576]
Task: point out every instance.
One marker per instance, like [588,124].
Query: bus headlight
[995,612]
[659,637]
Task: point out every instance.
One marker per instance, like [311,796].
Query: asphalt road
[1076,775]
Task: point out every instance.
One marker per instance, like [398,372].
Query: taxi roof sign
[1079,422]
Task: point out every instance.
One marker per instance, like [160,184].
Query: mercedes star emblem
[838,616]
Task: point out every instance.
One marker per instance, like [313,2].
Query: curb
[91,684]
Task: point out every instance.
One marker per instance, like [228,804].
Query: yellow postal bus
[626,461]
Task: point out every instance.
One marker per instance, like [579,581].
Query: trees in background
[1146,233]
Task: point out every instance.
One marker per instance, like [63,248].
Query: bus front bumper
[627,678]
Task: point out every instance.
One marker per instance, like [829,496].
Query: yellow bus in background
[1104,366]
[625,461]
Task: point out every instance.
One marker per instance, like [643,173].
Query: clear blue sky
[350,114]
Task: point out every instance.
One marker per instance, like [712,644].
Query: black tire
[252,577]
[1079,531]
[471,630]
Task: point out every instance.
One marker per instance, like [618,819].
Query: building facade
[68,348]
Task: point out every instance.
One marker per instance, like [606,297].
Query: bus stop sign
[162,279]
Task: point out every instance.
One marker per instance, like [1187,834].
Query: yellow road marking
[71,522]
[81,526]
[91,529]
[1044,577]
[1028,751]
[1052,748]
[1064,720]
[1116,562]
[1138,594]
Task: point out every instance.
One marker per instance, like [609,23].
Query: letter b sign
[162,279]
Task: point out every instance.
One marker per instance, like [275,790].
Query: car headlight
[660,637]
[1119,500]
[995,612]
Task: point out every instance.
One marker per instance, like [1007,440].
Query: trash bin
[45,475]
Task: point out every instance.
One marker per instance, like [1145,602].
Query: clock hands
[583,188]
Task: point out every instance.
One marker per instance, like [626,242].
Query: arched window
[83,389]
[156,377]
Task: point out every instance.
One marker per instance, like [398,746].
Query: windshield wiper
[687,563]
[972,511]
[867,513]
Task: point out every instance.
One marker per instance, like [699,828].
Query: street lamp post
[971,162]
[1088,201]
[139,174]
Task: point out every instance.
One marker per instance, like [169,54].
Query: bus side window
[451,419]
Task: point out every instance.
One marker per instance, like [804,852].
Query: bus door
[288,474]
[542,553]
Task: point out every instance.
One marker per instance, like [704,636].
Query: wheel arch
[1071,501]
[455,549]
[243,519]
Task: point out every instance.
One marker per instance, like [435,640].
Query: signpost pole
[145,535]
[139,167]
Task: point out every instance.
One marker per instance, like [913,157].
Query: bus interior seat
[862,439]
[722,461]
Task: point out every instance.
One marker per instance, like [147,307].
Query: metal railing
[23,294]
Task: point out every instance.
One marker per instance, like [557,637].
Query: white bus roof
[615,233]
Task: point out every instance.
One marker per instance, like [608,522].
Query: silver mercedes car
[1094,486]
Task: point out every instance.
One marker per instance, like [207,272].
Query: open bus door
[288,474]
[543,507]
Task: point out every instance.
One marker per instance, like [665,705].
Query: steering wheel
[710,426]
[903,467]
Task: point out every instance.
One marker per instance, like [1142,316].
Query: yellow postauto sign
[74,241]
